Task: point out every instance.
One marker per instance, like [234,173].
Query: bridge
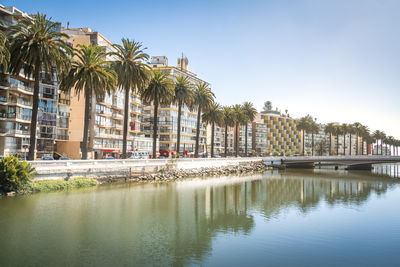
[350,162]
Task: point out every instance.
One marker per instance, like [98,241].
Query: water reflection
[164,223]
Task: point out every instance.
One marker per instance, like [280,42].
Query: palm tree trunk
[362,146]
[178,137]
[312,144]
[88,95]
[35,106]
[303,142]
[126,118]
[376,147]
[212,139]
[226,140]
[337,145]
[381,148]
[356,144]
[245,142]
[236,139]
[350,146]
[344,144]
[155,120]
[330,143]
[196,150]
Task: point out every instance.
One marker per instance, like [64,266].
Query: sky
[337,60]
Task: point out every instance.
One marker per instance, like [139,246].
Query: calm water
[295,218]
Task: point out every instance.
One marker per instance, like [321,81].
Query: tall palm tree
[314,129]
[4,52]
[350,131]
[376,135]
[358,132]
[229,121]
[36,46]
[329,129]
[133,73]
[203,97]
[390,142]
[183,96]
[213,116]
[345,130]
[369,140]
[303,124]
[239,119]
[365,136]
[249,115]
[92,74]
[337,132]
[160,90]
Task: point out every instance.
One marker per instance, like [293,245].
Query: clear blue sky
[337,60]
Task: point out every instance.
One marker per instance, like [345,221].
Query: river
[278,218]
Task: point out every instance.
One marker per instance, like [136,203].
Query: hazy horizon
[335,60]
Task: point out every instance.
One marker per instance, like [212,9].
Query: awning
[111,150]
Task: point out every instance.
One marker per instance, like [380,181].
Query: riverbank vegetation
[60,185]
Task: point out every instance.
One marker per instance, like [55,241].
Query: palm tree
[213,116]
[239,119]
[390,142]
[358,132]
[160,90]
[345,130]
[365,135]
[229,121]
[329,129]
[314,129]
[133,73]
[92,74]
[203,97]
[337,132]
[36,46]
[249,115]
[303,124]
[369,139]
[4,52]
[350,130]
[183,96]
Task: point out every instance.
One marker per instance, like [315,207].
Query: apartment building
[16,96]
[106,128]
[219,140]
[168,114]
[275,133]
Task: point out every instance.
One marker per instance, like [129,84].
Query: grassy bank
[51,186]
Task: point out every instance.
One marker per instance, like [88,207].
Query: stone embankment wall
[143,169]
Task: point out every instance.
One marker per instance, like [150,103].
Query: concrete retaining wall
[58,170]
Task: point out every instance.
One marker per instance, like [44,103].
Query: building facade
[16,96]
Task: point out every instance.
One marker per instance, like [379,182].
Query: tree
[213,116]
[183,96]
[239,119]
[133,73]
[203,97]
[350,130]
[229,121]
[345,130]
[358,132]
[337,132]
[320,147]
[4,52]
[303,125]
[36,46]
[390,142]
[160,90]
[249,115]
[365,136]
[267,106]
[330,129]
[91,74]
[314,129]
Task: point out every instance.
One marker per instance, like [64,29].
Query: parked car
[110,157]
[217,156]
[64,158]
[139,155]
[47,158]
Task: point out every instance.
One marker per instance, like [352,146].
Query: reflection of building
[106,129]
[16,96]
[168,114]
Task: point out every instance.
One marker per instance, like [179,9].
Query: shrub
[15,174]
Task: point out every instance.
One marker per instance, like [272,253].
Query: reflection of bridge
[351,162]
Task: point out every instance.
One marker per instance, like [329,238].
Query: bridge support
[304,165]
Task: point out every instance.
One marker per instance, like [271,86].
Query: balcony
[20,101]
[18,86]
[3,99]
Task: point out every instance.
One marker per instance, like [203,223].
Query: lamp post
[25,146]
